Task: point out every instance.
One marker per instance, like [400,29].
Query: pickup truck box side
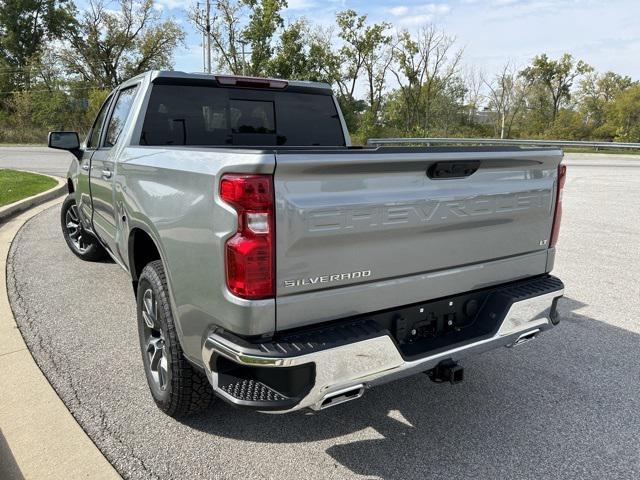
[291,269]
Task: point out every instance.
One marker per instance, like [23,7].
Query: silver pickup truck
[278,267]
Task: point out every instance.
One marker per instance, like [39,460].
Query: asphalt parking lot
[36,159]
[564,406]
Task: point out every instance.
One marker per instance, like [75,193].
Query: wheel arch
[142,249]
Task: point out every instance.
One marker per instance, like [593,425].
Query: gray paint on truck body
[338,212]
[420,239]
[172,194]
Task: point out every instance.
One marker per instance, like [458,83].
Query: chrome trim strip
[377,360]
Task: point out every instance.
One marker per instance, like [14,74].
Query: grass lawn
[15,185]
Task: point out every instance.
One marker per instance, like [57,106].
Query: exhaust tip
[526,337]
[341,396]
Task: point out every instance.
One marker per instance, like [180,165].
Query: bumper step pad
[250,390]
[310,340]
[532,288]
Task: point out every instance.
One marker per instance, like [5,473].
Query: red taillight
[555,231]
[249,254]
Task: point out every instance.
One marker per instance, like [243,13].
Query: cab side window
[119,116]
[94,136]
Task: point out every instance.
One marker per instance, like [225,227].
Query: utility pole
[201,17]
[197,21]
[244,62]
[207,45]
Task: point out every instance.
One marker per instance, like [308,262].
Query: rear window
[201,115]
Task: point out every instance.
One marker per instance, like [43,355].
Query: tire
[79,241]
[178,388]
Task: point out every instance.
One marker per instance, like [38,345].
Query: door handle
[106,173]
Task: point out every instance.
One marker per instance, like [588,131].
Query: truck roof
[299,85]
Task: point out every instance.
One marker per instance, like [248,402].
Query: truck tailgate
[361,230]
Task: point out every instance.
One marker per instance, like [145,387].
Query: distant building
[484,116]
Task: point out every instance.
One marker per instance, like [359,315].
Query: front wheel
[177,387]
[81,243]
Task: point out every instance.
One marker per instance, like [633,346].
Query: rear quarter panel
[172,194]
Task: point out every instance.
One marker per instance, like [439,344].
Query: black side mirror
[65,141]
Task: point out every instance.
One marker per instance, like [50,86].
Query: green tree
[596,93]
[104,47]
[507,93]
[556,78]
[254,25]
[361,51]
[364,52]
[226,35]
[7,84]
[623,115]
[264,21]
[25,26]
[299,54]
[424,64]
[569,125]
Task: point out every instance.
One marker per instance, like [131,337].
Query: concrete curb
[39,438]
[15,208]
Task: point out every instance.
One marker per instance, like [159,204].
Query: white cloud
[399,10]
[410,21]
[169,4]
[603,34]
[501,3]
[423,9]
[417,15]
[435,8]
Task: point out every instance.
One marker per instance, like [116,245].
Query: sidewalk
[39,437]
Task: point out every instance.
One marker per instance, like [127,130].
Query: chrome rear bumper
[344,372]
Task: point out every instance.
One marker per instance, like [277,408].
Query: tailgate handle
[444,170]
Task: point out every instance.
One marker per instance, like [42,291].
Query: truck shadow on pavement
[565,405]
[9,469]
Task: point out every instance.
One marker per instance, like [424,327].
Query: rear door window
[216,116]
[119,116]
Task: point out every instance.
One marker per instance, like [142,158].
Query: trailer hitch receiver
[447,371]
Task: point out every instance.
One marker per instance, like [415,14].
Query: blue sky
[605,34]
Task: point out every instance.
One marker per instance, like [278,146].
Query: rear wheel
[177,387]
[80,242]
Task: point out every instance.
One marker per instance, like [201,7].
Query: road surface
[36,159]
